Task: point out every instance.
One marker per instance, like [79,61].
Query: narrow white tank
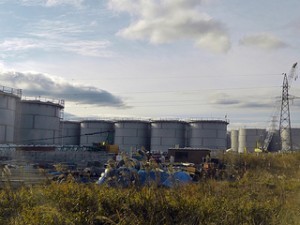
[249,138]
[211,134]
[40,122]
[167,134]
[285,140]
[234,140]
[70,133]
[9,99]
[242,140]
[131,134]
[95,131]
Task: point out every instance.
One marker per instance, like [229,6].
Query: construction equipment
[285,123]
[106,145]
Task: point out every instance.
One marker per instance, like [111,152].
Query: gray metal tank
[40,121]
[285,139]
[296,138]
[249,138]
[70,132]
[9,99]
[167,134]
[211,134]
[132,134]
[96,131]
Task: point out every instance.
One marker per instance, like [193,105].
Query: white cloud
[15,46]
[18,44]
[56,36]
[53,3]
[88,48]
[76,3]
[166,21]
[263,41]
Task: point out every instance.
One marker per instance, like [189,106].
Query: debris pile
[140,170]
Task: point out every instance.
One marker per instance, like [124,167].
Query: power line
[67,136]
[179,91]
[175,77]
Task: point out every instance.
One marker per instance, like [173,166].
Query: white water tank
[131,134]
[95,131]
[9,99]
[211,134]
[40,122]
[167,134]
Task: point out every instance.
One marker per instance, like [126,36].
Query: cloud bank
[263,41]
[38,84]
[166,21]
[242,102]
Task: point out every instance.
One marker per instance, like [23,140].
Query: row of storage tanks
[40,122]
[157,135]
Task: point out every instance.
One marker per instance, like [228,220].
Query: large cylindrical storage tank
[234,134]
[131,134]
[211,134]
[249,139]
[167,134]
[40,122]
[70,132]
[9,99]
[96,131]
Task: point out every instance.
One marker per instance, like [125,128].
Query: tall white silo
[40,122]
[167,134]
[211,134]
[131,134]
[234,134]
[285,137]
[96,131]
[9,99]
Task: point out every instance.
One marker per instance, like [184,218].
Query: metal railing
[60,102]
[13,91]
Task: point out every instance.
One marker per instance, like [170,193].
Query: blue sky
[153,59]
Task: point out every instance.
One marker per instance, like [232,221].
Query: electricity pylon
[285,132]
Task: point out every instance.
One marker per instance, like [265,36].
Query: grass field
[266,190]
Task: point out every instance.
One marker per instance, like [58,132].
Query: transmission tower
[285,120]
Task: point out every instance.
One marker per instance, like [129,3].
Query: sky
[185,59]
